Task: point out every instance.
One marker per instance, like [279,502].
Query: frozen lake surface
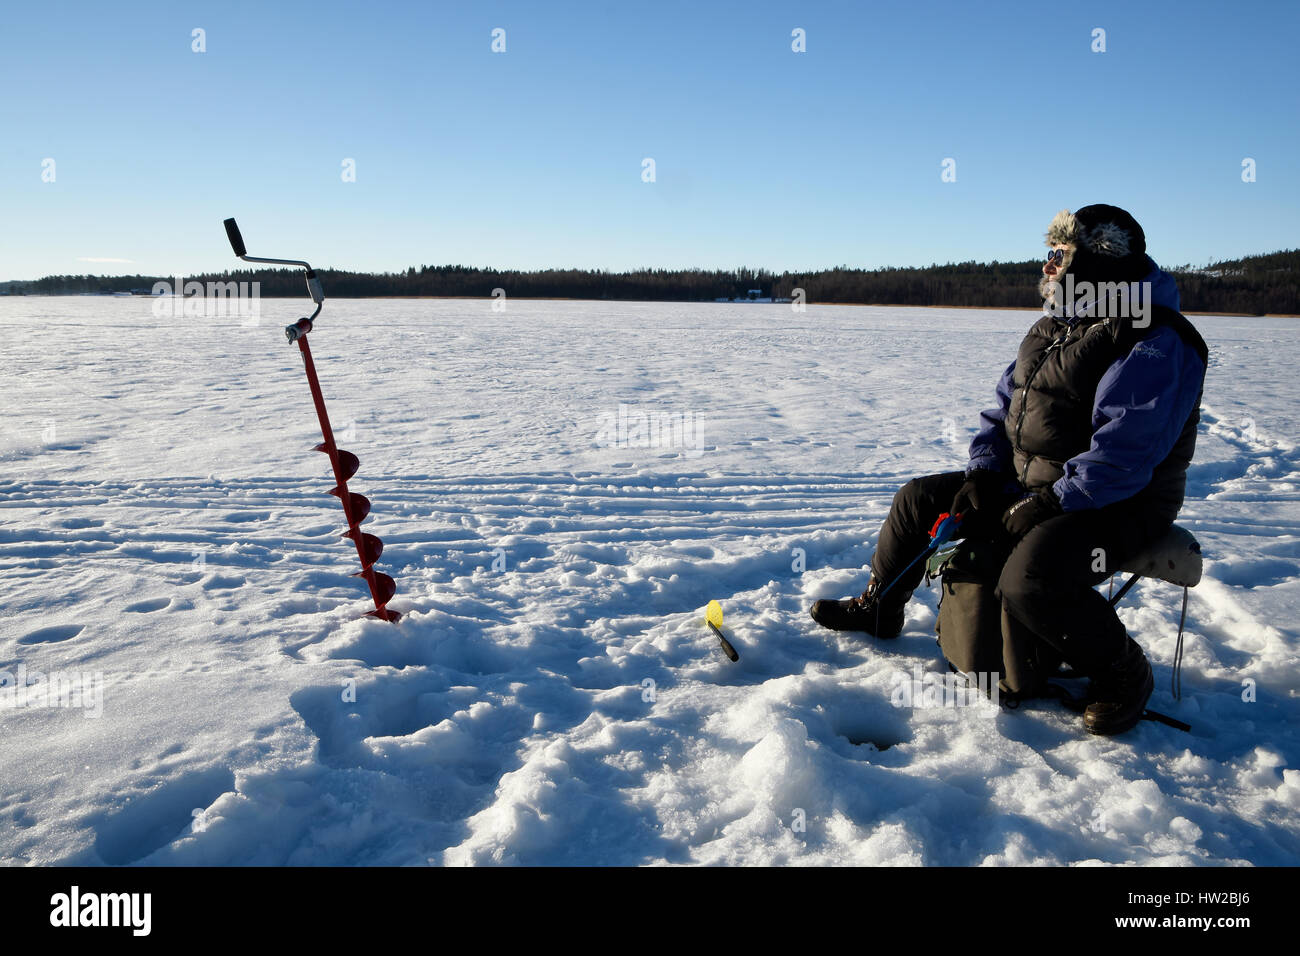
[552,695]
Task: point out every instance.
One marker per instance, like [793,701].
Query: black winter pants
[1048,577]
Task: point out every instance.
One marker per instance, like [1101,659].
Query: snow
[553,694]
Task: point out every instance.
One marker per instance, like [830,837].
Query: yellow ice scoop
[713,614]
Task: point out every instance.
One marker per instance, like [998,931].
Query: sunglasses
[1055,255]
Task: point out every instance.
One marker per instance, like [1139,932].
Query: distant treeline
[1253,285]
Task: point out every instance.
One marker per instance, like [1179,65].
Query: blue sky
[533,157]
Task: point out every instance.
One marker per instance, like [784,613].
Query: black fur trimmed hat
[1109,244]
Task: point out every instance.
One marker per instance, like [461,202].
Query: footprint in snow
[144,607]
[245,516]
[221,582]
[52,635]
[154,819]
[77,523]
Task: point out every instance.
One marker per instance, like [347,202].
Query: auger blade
[359,504]
[348,462]
[382,588]
[371,547]
[385,585]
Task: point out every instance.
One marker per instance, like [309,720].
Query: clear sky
[533,157]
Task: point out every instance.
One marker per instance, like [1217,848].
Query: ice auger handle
[313,283]
[236,240]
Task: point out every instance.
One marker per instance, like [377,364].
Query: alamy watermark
[213,300]
[928,689]
[633,427]
[1105,300]
[69,689]
[75,908]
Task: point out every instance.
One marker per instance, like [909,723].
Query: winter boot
[1120,693]
[881,618]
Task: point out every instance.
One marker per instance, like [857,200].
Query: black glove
[983,489]
[1031,511]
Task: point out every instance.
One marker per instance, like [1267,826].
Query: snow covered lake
[552,694]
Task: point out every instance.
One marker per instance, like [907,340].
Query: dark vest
[1056,376]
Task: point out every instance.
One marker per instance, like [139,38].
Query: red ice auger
[355,506]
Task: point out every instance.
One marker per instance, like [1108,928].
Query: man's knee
[922,496]
[908,498]
[1028,577]
[1014,587]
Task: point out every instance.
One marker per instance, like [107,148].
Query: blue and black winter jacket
[1100,409]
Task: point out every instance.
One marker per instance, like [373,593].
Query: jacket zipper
[1024,403]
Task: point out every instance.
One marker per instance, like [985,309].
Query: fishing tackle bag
[976,635]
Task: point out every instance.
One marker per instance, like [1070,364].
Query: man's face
[1054,269]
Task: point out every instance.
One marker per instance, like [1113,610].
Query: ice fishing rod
[345,464]
[945,526]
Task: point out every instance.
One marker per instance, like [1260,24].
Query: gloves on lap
[1031,511]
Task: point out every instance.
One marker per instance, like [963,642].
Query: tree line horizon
[1252,285]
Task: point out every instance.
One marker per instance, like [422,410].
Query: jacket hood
[1164,291]
[1164,288]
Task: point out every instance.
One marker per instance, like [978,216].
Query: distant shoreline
[1267,284]
[555,298]
[868,305]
